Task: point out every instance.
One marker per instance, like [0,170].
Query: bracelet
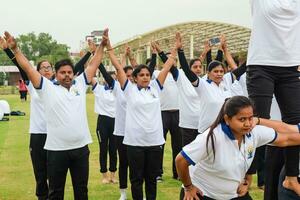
[188,187]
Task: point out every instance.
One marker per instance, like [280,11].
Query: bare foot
[291,183]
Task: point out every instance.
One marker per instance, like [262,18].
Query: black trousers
[142,167]
[284,82]
[245,197]
[188,135]
[170,121]
[39,163]
[107,143]
[123,162]
[77,161]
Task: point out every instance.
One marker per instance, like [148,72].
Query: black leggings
[245,197]
[39,163]
[123,162]
[284,82]
[107,143]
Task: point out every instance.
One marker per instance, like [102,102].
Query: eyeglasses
[46,68]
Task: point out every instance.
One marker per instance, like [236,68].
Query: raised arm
[183,62]
[79,66]
[131,58]
[91,69]
[121,75]
[167,66]
[219,56]
[204,52]
[161,54]
[152,63]
[107,77]
[10,54]
[32,74]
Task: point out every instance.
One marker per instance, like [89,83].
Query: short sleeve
[127,88]
[156,84]
[196,150]
[200,87]
[263,135]
[82,82]
[45,89]
[116,88]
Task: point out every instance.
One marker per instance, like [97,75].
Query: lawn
[16,174]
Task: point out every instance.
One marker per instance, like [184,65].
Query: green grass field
[16,174]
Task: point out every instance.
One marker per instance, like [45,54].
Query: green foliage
[38,47]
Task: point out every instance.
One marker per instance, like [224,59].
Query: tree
[38,47]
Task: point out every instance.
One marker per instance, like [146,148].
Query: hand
[223,44]
[178,43]
[92,46]
[105,39]
[191,194]
[3,43]
[11,41]
[207,47]
[156,46]
[243,189]
[153,48]
[127,50]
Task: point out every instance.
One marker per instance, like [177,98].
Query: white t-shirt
[219,178]
[37,124]
[104,100]
[189,103]
[275,33]
[143,115]
[66,114]
[169,95]
[212,98]
[121,104]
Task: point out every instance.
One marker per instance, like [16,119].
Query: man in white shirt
[67,127]
[274,63]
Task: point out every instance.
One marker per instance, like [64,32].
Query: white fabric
[169,95]
[5,106]
[275,33]
[212,98]
[66,114]
[37,122]
[189,103]
[104,101]
[143,115]
[220,178]
[121,104]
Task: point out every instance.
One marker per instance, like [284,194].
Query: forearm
[229,59]
[79,66]
[32,74]
[132,61]
[208,57]
[163,56]
[279,126]
[239,71]
[165,70]
[107,77]
[219,55]
[182,167]
[185,67]
[119,68]
[94,63]
[152,63]
[11,55]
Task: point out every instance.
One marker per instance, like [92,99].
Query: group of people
[219,136]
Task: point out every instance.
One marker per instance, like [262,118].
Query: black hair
[230,108]
[126,68]
[194,60]
[63,62]
[213,64]
[38,66]
[139,68]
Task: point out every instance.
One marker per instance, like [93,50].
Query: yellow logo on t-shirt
[250,152]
